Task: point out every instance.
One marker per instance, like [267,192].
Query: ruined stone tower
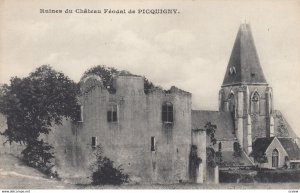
[246,93]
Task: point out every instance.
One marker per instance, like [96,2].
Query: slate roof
[223,120]
[230,160]
[285,131]
[291,148]
[260,146]
[244,66]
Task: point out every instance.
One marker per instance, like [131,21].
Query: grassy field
[15,175]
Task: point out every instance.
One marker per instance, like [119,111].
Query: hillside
[15,175]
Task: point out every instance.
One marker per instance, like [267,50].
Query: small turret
[129,84]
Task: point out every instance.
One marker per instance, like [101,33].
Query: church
[246,118]
[157,137]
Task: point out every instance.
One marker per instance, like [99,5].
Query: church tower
[245,92]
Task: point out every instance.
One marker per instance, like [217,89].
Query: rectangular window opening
[167,113]
[112,114]
[152,143]
[94,142]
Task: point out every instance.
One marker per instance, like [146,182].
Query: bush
[235,177]
[210,157]
[259,175]
[237,150]
[39,155]
[267,176]
[104,172]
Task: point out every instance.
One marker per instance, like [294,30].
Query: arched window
[167,112]
[255,103]
[220,146]
[231,103]
[275,158]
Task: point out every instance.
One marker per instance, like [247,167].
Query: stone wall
[245,117]
[282,153]
[226,145]
[128,140]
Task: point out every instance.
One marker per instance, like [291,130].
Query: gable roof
[291,148]
[223,121]
[260,145]
[244,66]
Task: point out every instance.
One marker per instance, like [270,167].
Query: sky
[190,50]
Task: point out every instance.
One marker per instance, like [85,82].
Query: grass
[15,175]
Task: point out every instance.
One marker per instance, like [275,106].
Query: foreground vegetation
[260,176]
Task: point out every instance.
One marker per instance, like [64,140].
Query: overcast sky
[189,50]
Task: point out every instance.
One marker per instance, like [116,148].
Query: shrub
[267,176]
[39,155]
[211,157]
[237,150]
[236,176]
[104,172]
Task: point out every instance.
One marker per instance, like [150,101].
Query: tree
[32,106]
[260,157]
[148,85]
[104,172]
[212,158]
[210,131]
[237,150]
[107,75]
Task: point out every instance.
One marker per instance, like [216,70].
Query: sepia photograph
[197,94]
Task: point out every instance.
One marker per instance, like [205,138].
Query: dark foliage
[32,105]
[260,157]
[104,172]
[213,158]
[237,150]
[219,160]
[39,154]
[107,74]
[195,161]
[148,86]
[210,131]
[259,175]
[267,176]
[235,177]
[210,157]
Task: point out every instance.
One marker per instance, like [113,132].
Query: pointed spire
[244,66]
